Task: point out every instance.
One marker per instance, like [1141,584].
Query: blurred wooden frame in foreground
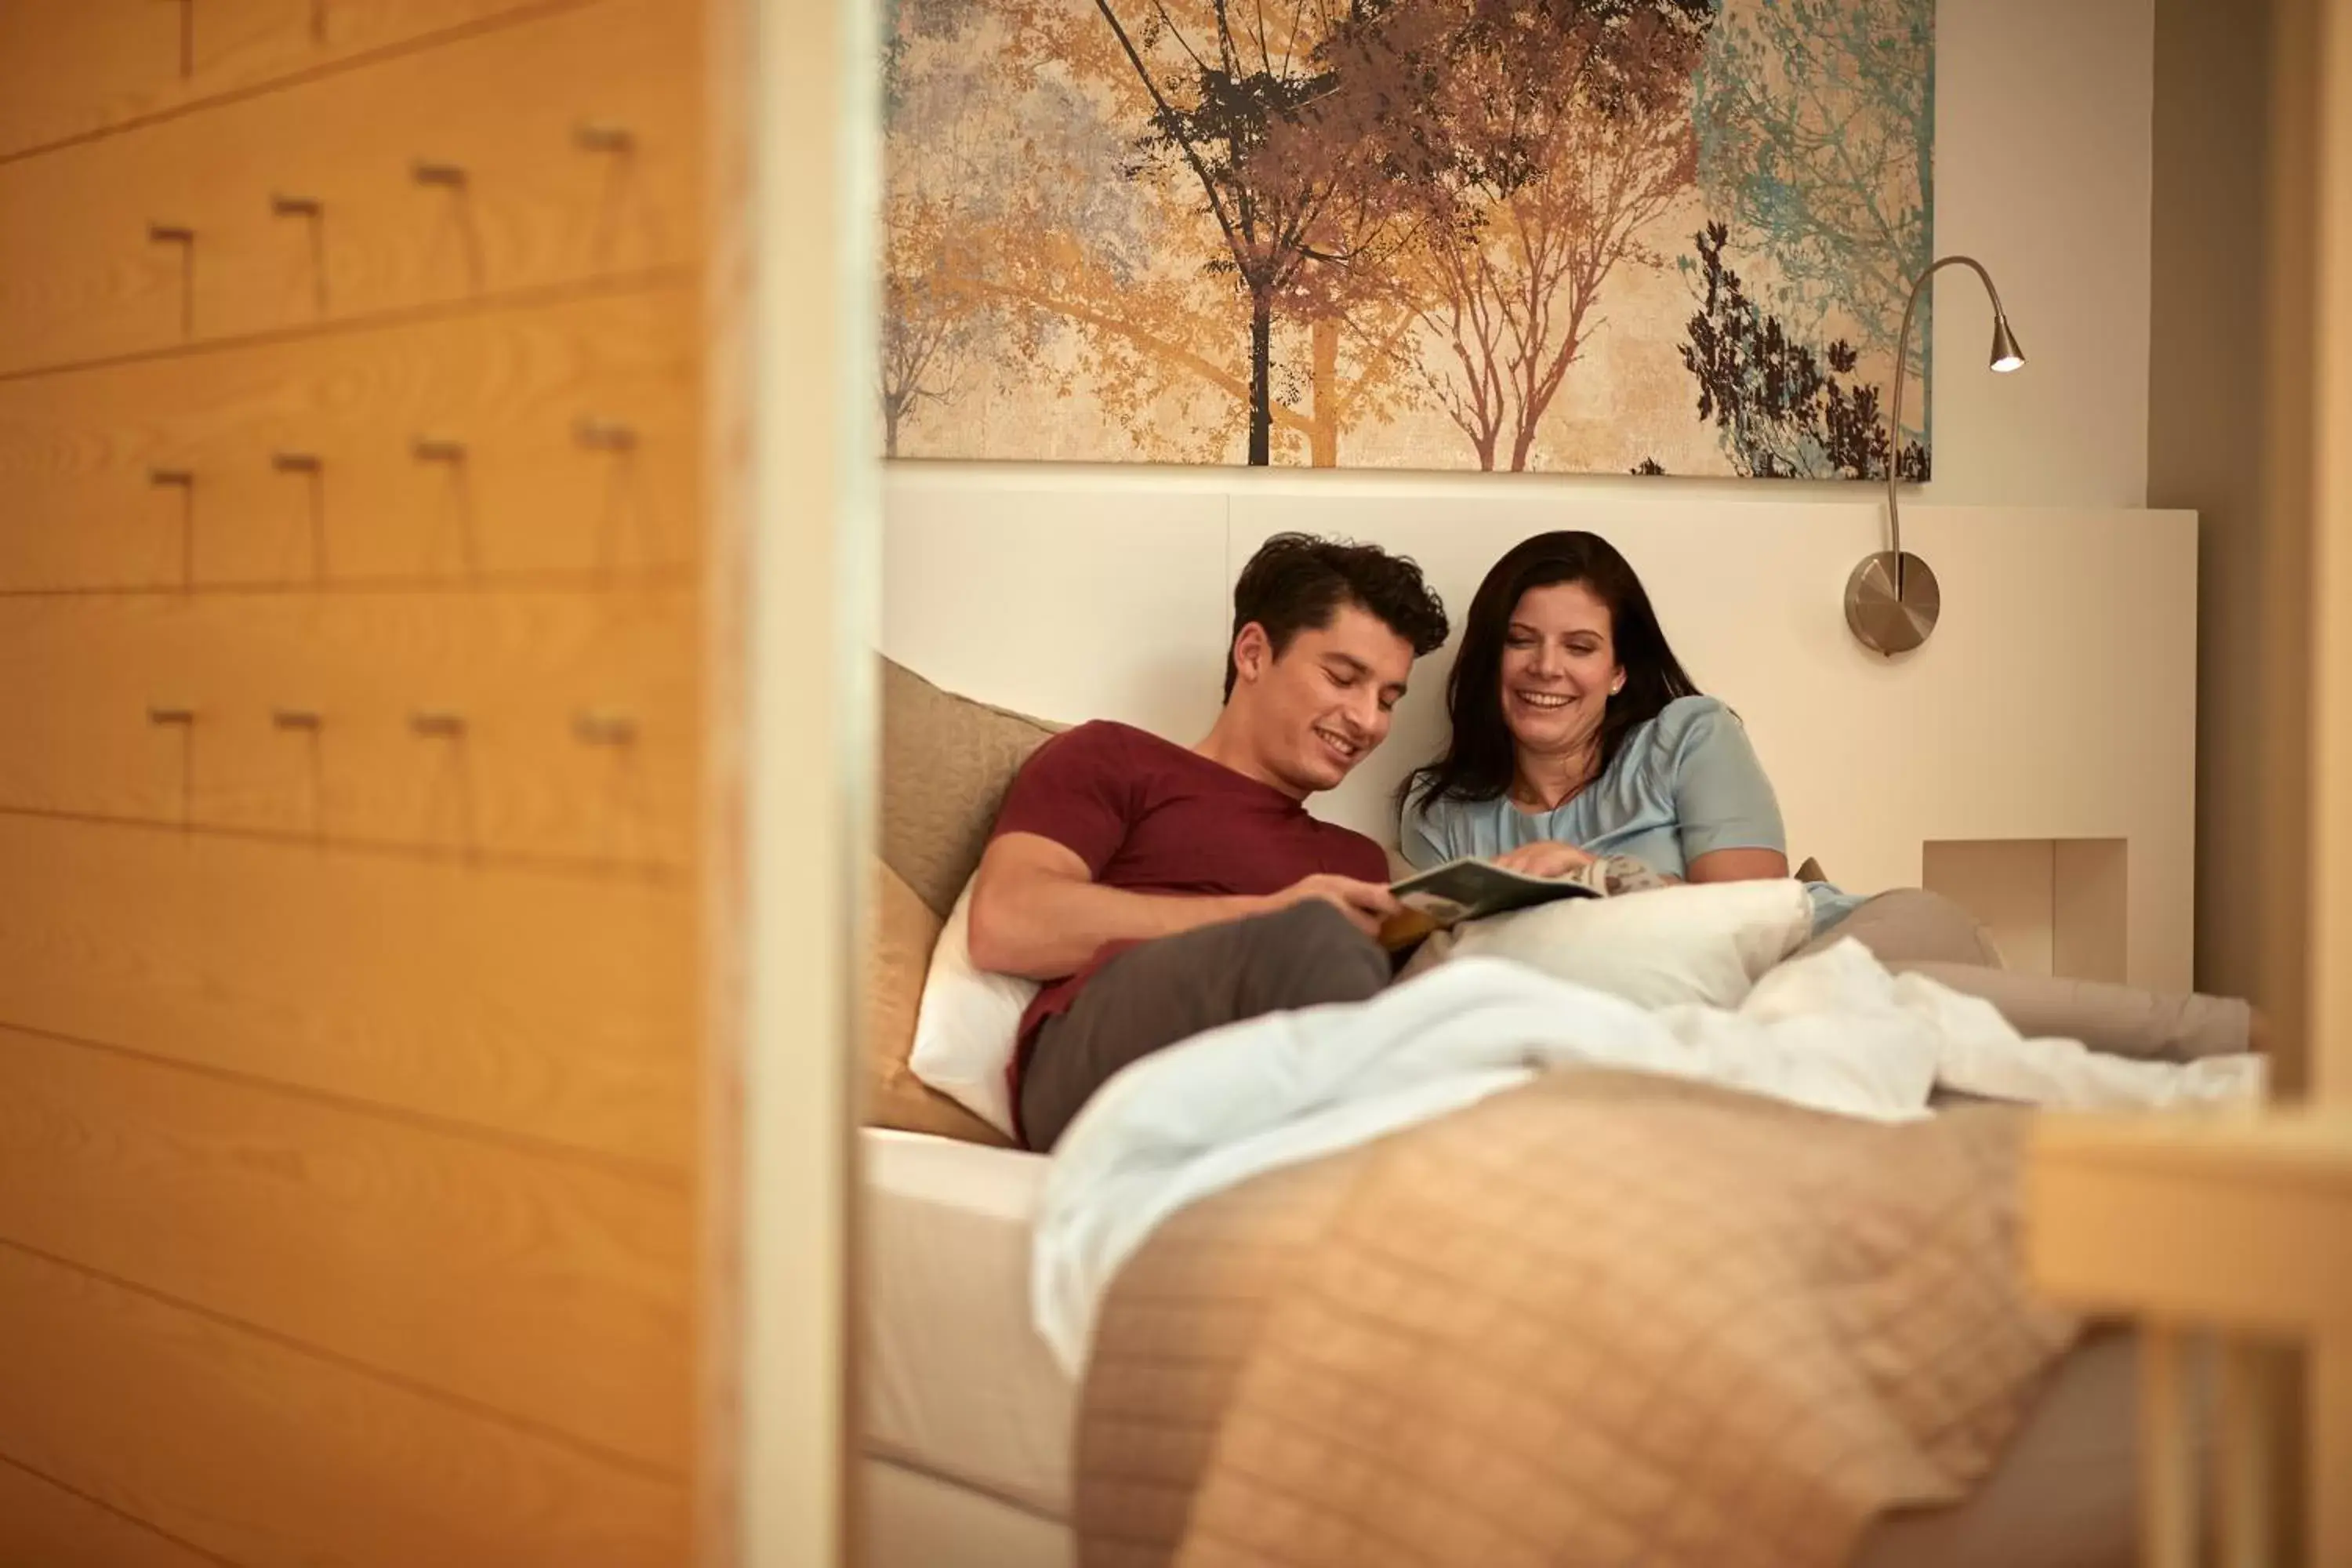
[792,590]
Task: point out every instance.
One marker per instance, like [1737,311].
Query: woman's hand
[1545,858]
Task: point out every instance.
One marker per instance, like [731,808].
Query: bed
[968,1420]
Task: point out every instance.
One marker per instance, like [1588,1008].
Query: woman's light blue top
[1684,784]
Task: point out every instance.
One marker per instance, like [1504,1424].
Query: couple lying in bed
[1160,891]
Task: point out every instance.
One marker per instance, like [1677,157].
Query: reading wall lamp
[1892,600]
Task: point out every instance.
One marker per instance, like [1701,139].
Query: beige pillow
[947,762]
[905,931]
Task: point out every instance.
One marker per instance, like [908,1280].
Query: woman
[1577,733]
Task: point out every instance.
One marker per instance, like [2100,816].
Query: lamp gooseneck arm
[1902,346]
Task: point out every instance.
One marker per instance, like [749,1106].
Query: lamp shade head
[2006,355]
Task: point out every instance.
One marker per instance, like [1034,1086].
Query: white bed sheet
[958,1384]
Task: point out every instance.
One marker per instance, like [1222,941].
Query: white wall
[2043,116]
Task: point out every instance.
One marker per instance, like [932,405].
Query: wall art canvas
[1574,236]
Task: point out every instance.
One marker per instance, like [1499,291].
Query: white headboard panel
[2057,700]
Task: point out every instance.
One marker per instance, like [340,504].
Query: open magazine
[1469,890]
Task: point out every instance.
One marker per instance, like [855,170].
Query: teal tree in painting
[1785,409]
[1815,121]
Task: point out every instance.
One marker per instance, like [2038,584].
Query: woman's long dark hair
[1477,764]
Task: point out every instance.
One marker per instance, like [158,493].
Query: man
[1162,892]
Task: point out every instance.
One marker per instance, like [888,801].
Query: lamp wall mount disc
[1892,601]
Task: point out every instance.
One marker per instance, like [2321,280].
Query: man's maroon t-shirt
[1148,815]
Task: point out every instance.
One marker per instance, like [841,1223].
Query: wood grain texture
[42,1525]
[560,1009]
[545,1289]
[269,1456]
[70,70]
[523,671]
[78,453]
[82,280]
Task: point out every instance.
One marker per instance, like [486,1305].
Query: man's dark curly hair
[1298,582]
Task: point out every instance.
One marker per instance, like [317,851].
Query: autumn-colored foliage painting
[1579,235]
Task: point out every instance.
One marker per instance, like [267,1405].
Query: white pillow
[1706,943]
[968,1024]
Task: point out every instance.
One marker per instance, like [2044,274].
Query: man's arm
[1037,912]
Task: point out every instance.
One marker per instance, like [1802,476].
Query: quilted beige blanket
[1603,1319]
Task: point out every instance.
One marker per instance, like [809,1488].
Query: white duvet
[1834,1031]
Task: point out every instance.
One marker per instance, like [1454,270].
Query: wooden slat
[2328,1400]
[2168,1452]
[73,70]
[78,453]
[42,1525]
[269,1456]
[539,1287]
[559,1007]
[2197,1219]
[2330,703]
[2249,1409]
[525,671]
[81,278]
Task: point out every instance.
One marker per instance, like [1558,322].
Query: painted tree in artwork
[935,328]
[1557,130]
[1248,115]
[1815,121]
[1217,130]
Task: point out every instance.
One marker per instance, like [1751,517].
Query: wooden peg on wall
[605,435]
[604,727]
[313,213]
[438,723]
[598,136]
[183,236]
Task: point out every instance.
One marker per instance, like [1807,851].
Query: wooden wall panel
[580,721]
[559,1292]
[85,280]
[69,70]
[351,1068]
[42,1525]
[79,453]
[557,1007]
[273,1457]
